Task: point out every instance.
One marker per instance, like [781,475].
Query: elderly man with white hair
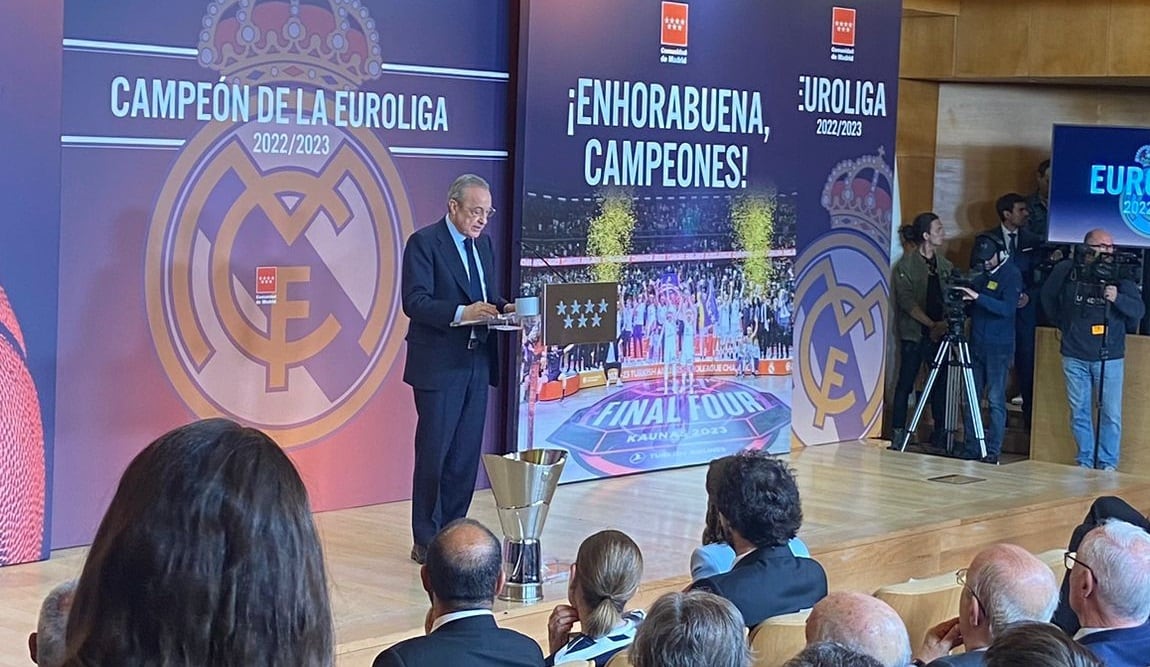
[862,623]
[1004,584]
[1110,593]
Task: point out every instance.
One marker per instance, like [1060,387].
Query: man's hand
[559,625]
[939,641]
[509,308]
[480,310]
[937,331]
[968,294]
[1023,299]
[1110,293]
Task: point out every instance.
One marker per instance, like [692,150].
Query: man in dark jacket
[992,318]
[758,504]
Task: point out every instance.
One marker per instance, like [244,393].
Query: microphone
[534,252]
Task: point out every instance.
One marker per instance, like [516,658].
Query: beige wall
[991,136]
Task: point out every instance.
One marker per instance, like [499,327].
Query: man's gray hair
[53,624]
[692,629]
[1013,585]
[831,654]
[1119,555]
[462,183]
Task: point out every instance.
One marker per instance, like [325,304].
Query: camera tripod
[953,350]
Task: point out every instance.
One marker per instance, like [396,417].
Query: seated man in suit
[1110,593]
[462,576]
[758,506]
[1004,584]
[862,623]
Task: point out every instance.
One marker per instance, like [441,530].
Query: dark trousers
[1024,364]
[448,444]
[913,355]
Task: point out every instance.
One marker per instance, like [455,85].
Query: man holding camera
[1094,306]
[993,290]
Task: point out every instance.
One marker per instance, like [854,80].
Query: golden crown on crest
[324,43]
[859,194]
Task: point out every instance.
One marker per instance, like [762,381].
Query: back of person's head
[1034,644]
[692,629]
[713,530]
[607,573]
[1006,202]
[464,566]
[207,555]
[1043,167]
[48,644]
[1118,553]
[759,499]
[1012,585]
[831,654]
[912,234]
[861,623]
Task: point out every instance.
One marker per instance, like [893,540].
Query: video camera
[1097,268]
[955,305]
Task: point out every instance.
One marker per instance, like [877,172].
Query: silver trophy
[523,484]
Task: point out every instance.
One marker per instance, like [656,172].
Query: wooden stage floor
[872,517]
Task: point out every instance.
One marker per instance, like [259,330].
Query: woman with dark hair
[920,277]
[207,555]
[604,578]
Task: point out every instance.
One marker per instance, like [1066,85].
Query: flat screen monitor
[1100,177]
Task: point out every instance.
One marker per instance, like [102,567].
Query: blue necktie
[473,270]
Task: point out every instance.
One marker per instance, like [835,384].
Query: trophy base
[522,592]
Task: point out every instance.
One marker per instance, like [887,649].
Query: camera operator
[920,278]
[993,289]
[1094,305]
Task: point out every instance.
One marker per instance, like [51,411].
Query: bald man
[462,575]
[1094,312]
[862,623]
[1004,584]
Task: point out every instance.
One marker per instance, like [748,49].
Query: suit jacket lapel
[451,253]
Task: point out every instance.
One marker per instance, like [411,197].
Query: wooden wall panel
[1128,36]
[917,7]
[927,47]
[992,39]
[1067,38]
[917,118]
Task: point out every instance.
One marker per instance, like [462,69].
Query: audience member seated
[1033,644]
[1106,507]
[830,654]
[692,629]
[716,556]
[604,578]
[758,505]
[1004,584]
[207,555]
[861,623]
[46,645]
[1110,592]
[462,575]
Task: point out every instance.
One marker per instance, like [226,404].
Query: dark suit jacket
[1028,257]
[1126,647]
[768,582]
[435,283]
[968,659]
[475,641]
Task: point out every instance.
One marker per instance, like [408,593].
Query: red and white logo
[266,280]
[843,27]
[674,24]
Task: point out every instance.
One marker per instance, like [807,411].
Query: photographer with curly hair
[758,505]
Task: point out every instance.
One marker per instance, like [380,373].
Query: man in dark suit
[462,576]
[448,278]
[1110,593]
[758,505]
[1004,584]
[1024,248]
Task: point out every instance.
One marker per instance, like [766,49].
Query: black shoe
[991,459]
[419,554]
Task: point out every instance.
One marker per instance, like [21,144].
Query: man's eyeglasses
[1070,560]
[960,579]
[1101,247]
[478,212]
